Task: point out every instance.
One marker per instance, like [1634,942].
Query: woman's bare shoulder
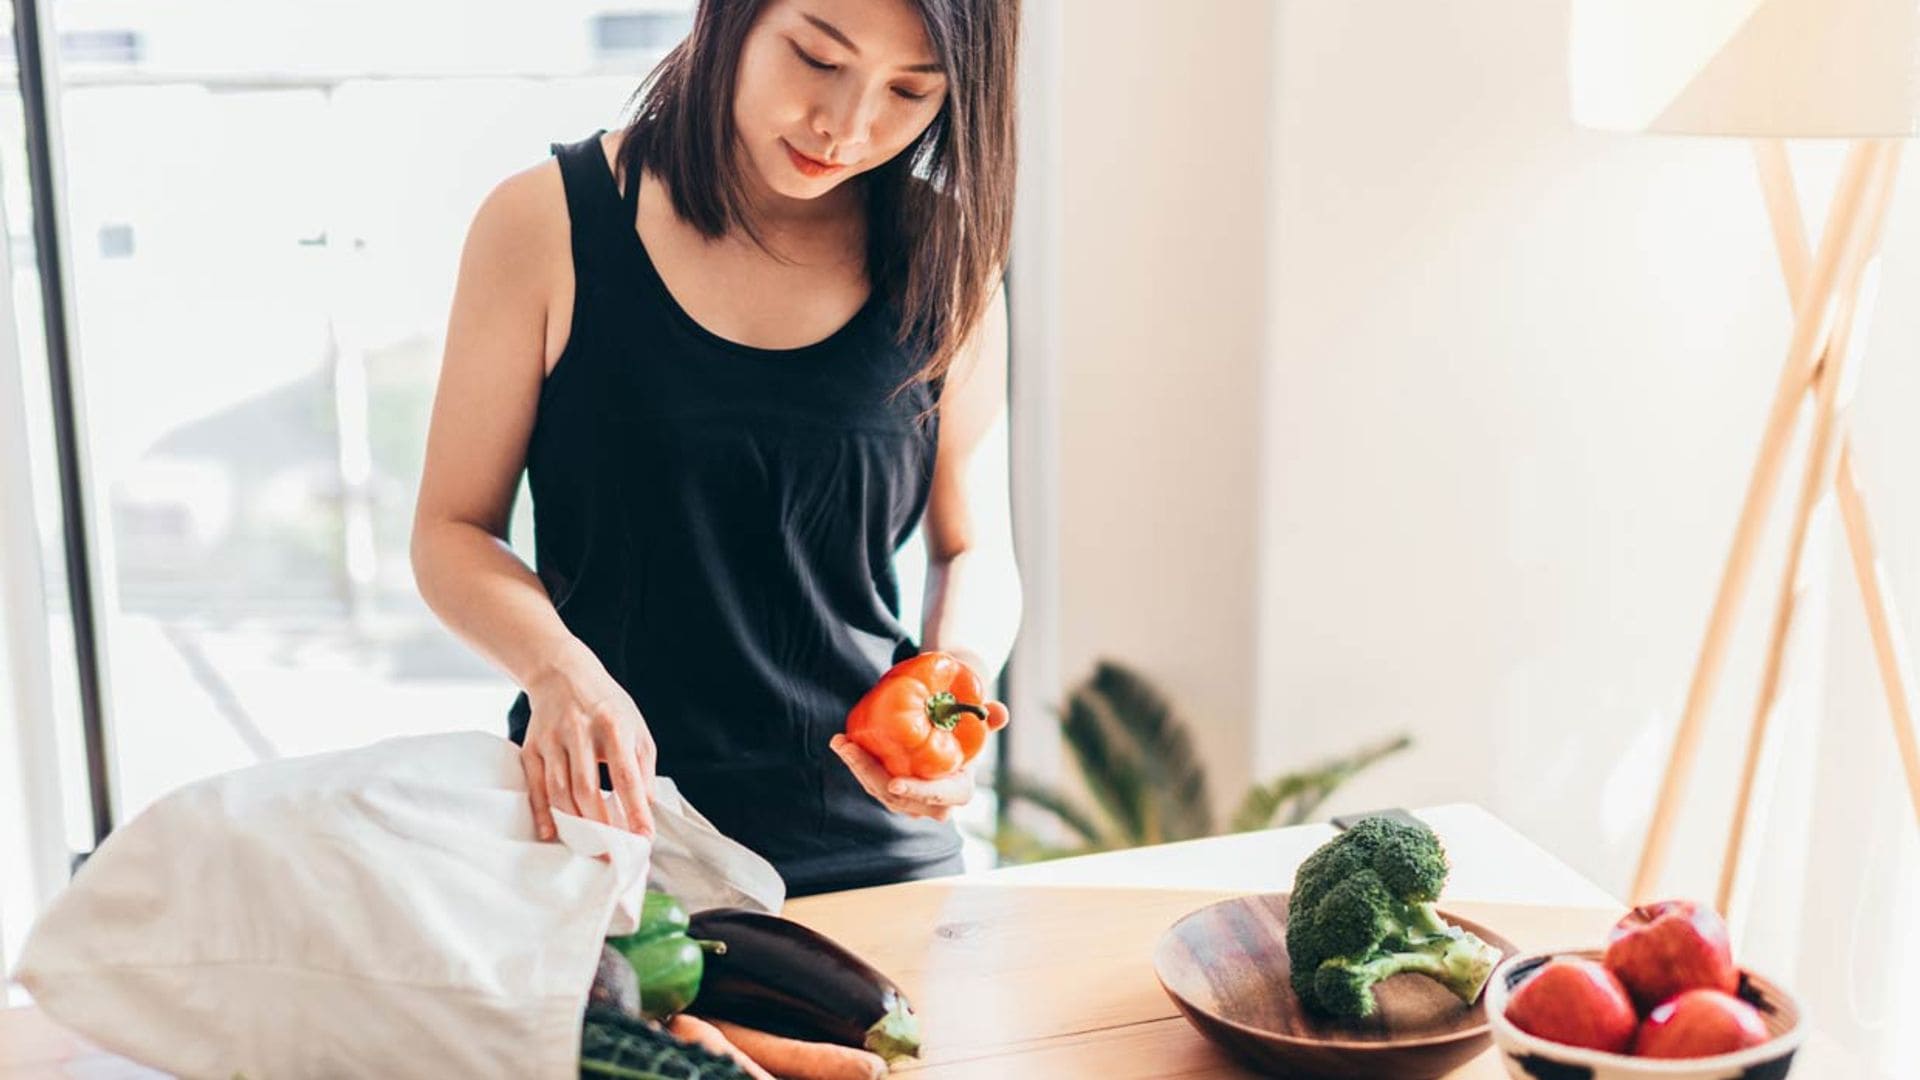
[525,216]
[518,246]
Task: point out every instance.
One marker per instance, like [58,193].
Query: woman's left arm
[973,601]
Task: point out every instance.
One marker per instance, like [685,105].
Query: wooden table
[1045,970]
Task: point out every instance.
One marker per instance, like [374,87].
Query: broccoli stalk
[1462,964]
[1362,911]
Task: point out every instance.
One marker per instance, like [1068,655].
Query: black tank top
[718,523]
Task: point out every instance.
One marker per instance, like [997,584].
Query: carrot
[698,1031]
[794,1059]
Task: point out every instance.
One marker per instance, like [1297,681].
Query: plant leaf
[1108,762]
[1020,788]
[1017,845]
[1263,801]
[1302,792]
[1175,779]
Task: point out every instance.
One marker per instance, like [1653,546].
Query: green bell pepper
[667,962]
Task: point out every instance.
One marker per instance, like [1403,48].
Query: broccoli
[1362,910]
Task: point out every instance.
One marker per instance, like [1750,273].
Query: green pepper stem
[895,1035]
[711,948]
[944,710]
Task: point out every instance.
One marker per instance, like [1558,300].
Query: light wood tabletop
[1046,970]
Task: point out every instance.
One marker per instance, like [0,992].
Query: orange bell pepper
[927,717]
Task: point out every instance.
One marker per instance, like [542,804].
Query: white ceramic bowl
[1528,1057]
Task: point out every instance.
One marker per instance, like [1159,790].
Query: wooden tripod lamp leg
[1889,648]
[1791,238]
[1783,211]
[1829,431]
[1812,315]
[1812,484]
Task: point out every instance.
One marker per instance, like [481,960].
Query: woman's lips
[808,166]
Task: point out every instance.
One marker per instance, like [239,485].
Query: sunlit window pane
[266,207]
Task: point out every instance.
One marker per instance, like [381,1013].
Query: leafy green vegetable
[1362,911]
[626,1048]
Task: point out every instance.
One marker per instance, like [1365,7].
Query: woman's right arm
[483,413]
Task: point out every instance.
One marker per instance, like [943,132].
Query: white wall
[1519,373]
[1163,116]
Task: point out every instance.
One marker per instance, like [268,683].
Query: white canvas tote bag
[385,911]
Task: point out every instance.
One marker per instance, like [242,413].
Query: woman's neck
[817,235]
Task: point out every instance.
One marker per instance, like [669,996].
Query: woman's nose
[846,123]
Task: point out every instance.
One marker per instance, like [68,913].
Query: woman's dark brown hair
[939,214]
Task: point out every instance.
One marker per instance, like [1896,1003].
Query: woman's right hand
[582,717]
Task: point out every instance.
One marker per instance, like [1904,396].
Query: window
[619,36]
[265,205]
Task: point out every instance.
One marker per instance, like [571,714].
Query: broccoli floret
[1362,910]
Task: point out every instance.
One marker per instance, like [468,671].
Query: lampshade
[1780,68]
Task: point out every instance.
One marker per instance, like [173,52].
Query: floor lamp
[1771,70]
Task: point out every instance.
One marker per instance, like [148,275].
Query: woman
[741,348]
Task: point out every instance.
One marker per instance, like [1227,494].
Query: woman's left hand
[904,794]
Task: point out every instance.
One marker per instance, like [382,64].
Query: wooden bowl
[1225,967]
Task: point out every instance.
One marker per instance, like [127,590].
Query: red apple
[1700,1023]
[1577,1002]
[1659,951]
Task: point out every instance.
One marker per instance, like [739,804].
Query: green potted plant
[1148,786]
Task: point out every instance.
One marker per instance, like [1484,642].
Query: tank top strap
[597,211]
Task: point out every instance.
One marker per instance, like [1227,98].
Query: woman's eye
[817,65]
[909,95]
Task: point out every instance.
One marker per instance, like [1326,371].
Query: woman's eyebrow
[833,32]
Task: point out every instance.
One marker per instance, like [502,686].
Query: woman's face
[829,89]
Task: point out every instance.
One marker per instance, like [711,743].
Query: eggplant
[615,987]
[780,977]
